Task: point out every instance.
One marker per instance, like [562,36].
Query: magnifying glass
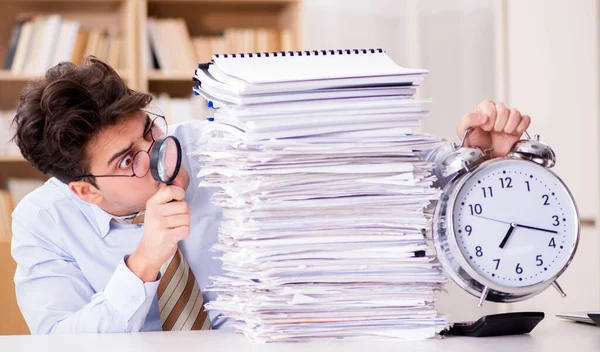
[165,159]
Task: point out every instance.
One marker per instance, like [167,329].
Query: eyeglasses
[140,162]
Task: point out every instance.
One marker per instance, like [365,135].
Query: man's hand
[496,126]
[166,222]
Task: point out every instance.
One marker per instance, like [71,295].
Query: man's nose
[178,182]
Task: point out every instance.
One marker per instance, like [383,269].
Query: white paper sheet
[323,192]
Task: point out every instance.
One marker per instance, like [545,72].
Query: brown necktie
[180,300]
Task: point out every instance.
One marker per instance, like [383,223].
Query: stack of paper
[323,195]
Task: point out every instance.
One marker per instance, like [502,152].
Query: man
[102,247]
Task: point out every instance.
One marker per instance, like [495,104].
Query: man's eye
[126,162]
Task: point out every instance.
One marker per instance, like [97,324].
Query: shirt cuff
[126,292]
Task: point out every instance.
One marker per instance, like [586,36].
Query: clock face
[515,223]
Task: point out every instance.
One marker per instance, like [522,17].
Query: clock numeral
[497,263]
[475,209]
[528,186]
[546,198]
[538,260]
[485,192]
[556,222]
[469,229]
[506,182]
[552,243]
[478,251]
[519,270]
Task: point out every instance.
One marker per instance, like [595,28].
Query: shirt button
[135,299]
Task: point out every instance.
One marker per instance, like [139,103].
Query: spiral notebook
[316,158]
[268,73]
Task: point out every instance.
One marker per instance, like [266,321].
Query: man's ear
[86,192]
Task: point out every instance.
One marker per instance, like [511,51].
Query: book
[93,42]
[22,51]
[202,48]
[44,47]
[114,52]
[44,41]
[12,45]
[66,42]
[173,50]
[186,47]
[158,45]
[80,46]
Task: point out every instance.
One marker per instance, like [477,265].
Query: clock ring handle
[464,138]
[470,129]
[463,141]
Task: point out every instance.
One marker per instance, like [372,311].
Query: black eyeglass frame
[148,113]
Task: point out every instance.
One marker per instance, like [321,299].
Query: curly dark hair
[58,115]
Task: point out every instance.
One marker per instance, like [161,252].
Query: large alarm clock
[506,228]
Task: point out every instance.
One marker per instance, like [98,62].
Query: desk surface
[550,335]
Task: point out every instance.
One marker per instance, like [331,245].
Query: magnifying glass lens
[165,159]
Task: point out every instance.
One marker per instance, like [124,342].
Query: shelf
[7,76]
[65,1]
[157,75]
[12,159]
[228,2]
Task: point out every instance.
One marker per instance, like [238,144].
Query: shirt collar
[103,220]
[101,217]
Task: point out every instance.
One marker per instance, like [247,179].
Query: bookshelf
[212,18]
[114,15]
[12,321]
[128,18]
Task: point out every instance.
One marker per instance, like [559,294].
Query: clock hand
[516,225]
[536,228]
[510,230]
[483,217]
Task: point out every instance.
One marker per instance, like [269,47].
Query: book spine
[12,47]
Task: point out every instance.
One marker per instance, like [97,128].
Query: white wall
[553,75]
[546,65]
[451,39]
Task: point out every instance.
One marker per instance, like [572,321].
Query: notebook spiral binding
[302,53]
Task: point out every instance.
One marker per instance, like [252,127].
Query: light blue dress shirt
[71,275]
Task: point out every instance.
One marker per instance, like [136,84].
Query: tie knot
[133,219]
